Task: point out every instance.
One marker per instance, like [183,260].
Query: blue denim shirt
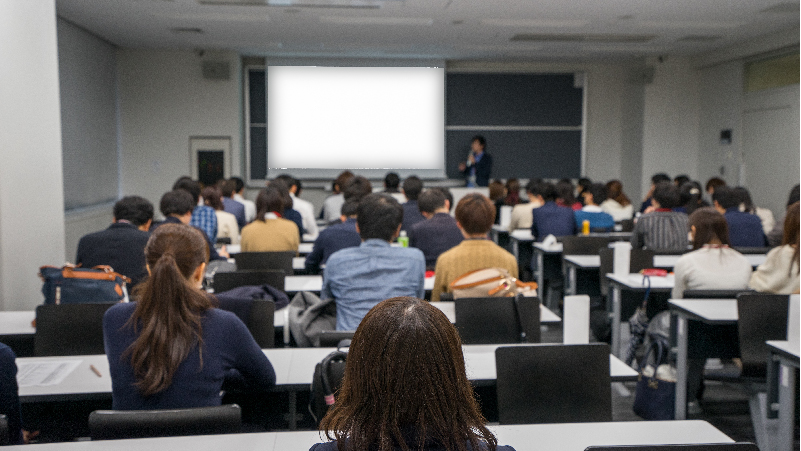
[205,219]
[358,278]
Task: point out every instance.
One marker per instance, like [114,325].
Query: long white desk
[294,284]
[529,437]
[788,358]
[635,282]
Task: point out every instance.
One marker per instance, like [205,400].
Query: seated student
[289,212]
[391,186]
[424,399]
[581,187]
[227,224]
[412,187]
[250,206]
[177,206]
[9,394]
[439,231]
[747,205]
[521,213]
[497,195]
[617,203]
[512,192]
[713,184]
[780,272]
[551,219]
[358,278]
[745,229]
[776,235]
[691,197]
[660,228]
[656,179]
[203,217]
[229,204]
[565,196]
[475,215]
[270,232]
[304,207]
[594,195]
[334,237]
[333,203]
[122,245]
[171,349]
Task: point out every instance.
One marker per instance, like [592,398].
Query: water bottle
[403,239]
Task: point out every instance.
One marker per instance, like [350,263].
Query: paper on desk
[52,372]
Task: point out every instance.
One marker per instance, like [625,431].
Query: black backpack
[327,379]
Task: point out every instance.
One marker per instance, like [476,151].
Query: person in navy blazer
[478,168]
[745,229]
[232,206]
[551,219]
[439,231]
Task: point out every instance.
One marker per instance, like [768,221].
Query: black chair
[714,294]
[498,320]
[4,440]
[224,281]
[626,225]
[583,245]
[761,317]
[752,250]
[640,259]
[69,329]
[123,424]
[553,383]
[688,447]
[265,260]
[335,338]
[258,315]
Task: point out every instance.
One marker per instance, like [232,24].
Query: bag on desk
[490,282]
[655,396]
[71,284]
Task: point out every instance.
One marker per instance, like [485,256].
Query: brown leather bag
[490,282]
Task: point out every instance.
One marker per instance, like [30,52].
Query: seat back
[498,320]
[333,338]
[122,424]
[553,383]
[626,225]
[761,317]
[4,439]
[686,447]
[713,294]
[224,281]
[639,260]
[265,260]
[583,245]
[69,329]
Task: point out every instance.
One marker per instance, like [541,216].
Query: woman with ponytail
[171,348]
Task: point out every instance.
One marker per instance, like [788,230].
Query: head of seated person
[666,195]
[177,203]
[271,199]
[190,186]
[594,194]
[212,197]
[391,182]
[405,384]
[356,188]
[280,187]
[379,216]
[475,215]
[545,191]
[708,227]
[135,210]
[431,202]
[412,187]
[725,198]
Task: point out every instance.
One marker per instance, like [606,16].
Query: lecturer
[479,163]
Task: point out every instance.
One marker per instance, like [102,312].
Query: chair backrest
[639,260]
[122,424]
[333,338]
[761,317]
[553,383]
[498,320]
[752,250]
[257,314]
[626,225]
[583,245]
[224,281]
[686,447]
[265,260]
[714,294]
[4,439]
[69,329]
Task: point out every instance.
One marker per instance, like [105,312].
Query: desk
[631,282]
[709,311]
[546,437]
[787,358]
[17,323]
[497,232]
[303,249]
[539,251]
[294,284]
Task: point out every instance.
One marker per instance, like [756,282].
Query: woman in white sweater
[780,272]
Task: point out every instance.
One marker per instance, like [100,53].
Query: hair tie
[694,191]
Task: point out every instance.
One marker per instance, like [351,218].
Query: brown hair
[614,191]
[405,384]
[792,232]
[341,180]
[211,197]
[269,199]
[709,224]
[475,213]
[168,309]
[497,190]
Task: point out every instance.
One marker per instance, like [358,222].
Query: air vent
[186,30]
[698,38]
[596,38]
[783,8]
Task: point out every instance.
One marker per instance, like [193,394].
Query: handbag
[655,395]
[71,285]
[490,282]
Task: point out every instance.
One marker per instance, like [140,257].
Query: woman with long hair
[617,203]
[270,232]
[171,348]
[405,386]
[780,271]
[227,226]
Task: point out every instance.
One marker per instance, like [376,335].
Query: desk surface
[293,284]
[17,323]
[783,348]
[711,311]
[546,437]
[636,281]
[660,261]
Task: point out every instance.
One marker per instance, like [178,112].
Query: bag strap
[455,285]
[325,365]
[523,321]
[659,347]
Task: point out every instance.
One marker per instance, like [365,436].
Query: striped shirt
[661,230]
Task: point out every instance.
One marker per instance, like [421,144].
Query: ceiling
[441,29]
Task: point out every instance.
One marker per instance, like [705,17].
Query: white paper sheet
[52,372]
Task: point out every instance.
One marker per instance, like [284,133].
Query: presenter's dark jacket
[331,239]
[435,236]
[551,219]
[9,394]
[745,229]
[483,170]
[121,246]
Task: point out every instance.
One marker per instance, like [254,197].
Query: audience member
[412,187]
[270,232]
[594,195]
[660,228]
[229,204]
[512,192]
[447,193]
[227,224]
[358,278]
[475,215]
[334,237]
[745,229]
[497,195]
[391,186]
[691,197]
[177,206]
[424,399]
[617,203]
[439,231]
[655,180]
[289,212]
[9,394]
[777,233]
[713,184]
[565,196]
[478,168]
[171,349]
[250,206]
[356,189]
[747,205]
[122,244]
[304,207]
[680,180]
[521,213]
[780,271]
[333,203]
[203,217]
[581,187]
[550,218]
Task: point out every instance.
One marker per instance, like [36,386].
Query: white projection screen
[321,120]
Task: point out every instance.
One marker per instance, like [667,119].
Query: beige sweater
[779,274]
[270,235]
[468,256]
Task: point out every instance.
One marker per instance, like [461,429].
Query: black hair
[745,199]
[228,188]
[480,139]
[288,180]
[447,193]
[726,197]
[660,177]
[412,187]
[547,190]
[137,210]
[681,179]
[378,216]
[667,194]
[356,188]
[176,202]
[531,186]
[584,184]
[349,208]
[190,186]
[598,192]
[564,191]
[239,184]
[272,198]
[430,201]
[691,196]
[391,182]
[793,197]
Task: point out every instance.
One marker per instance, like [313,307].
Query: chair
[4,440]
[713,294]
[583,245]
[626,225]
[761,317]
[258,315]
[498,320]
[335,338]
[688,447]
[265,260]
[553,383]
[69,329]
[640,259]
[224,281]
[122,424]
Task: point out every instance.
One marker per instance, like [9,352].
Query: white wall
[31,191]
[721,103]
[164,100]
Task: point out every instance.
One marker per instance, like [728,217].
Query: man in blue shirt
[358,278]
[745,229]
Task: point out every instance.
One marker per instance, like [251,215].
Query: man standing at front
[358,278]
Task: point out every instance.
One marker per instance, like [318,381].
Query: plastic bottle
[403,239]
[585,227]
